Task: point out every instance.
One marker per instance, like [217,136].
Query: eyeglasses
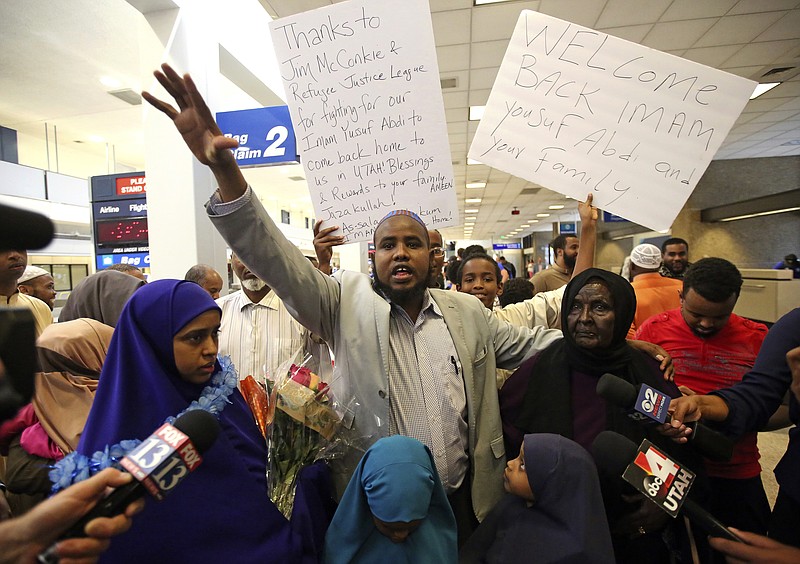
[438,251]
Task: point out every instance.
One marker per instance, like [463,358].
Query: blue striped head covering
[408,213]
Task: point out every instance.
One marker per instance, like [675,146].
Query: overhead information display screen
[115,232]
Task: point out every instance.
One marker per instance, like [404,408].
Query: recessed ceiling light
[473,201]
[476,112]
[476,185]
[110,82]
[542,215]
[763,88]
[526,225]
[469,224]
[472,211]
[471,218]
[556,207]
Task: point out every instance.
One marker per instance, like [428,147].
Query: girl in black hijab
[553,512]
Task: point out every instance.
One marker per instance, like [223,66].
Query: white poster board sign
[579,111]
[363,90]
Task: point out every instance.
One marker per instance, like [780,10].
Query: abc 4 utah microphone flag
[662,480]
[162,460]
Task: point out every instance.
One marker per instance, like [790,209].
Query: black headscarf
[566,522]
[617,355]
[545,382]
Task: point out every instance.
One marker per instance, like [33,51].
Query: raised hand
[586,211]
[199,130]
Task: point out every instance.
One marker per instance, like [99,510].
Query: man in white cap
[654,293]
[37,282]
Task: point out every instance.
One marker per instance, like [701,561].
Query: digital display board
[124,231]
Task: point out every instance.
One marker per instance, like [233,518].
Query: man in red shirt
[713,348]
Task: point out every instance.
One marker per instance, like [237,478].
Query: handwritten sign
[579,111]
[363,91]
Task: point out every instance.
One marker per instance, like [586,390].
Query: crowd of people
[477,418]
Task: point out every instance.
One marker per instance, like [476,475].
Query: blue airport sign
[139,260]
[265,135]
[567,227]
[611,218]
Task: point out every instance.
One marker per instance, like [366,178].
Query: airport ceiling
[53,54]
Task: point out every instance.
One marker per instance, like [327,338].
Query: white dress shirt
[259,337]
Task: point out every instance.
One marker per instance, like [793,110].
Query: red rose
[322,390]
[301,375]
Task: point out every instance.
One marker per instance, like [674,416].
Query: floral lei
[76,467]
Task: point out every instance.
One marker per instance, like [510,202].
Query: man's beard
[253,284]
[404,296]
[681,267]
[569,261]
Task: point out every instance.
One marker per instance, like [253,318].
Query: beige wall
[757,242]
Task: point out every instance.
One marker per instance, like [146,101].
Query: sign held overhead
[579,111]
[363,91]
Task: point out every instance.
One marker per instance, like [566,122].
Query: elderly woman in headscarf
[101,296]
[555,392]
[71,355]
[553,509]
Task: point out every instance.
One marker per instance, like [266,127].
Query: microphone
[660,479]
[645,405]
[158,465]
[22,229]
[649,406]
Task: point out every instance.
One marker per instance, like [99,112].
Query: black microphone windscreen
[22,229]
[200,426]
[612,452]
[617,391]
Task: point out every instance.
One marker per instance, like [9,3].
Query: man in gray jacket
[419,362]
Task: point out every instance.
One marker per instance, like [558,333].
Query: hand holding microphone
[662,480]
[158,465]
[650,406]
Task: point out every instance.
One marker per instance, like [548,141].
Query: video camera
[18,356]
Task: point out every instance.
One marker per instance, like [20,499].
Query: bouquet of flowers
[298,415]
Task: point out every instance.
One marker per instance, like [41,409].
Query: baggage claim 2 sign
[265,135]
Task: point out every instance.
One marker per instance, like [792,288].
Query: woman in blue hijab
[393,510]
[161,361]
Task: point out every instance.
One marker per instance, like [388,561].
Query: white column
[177,185]
[354,257]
